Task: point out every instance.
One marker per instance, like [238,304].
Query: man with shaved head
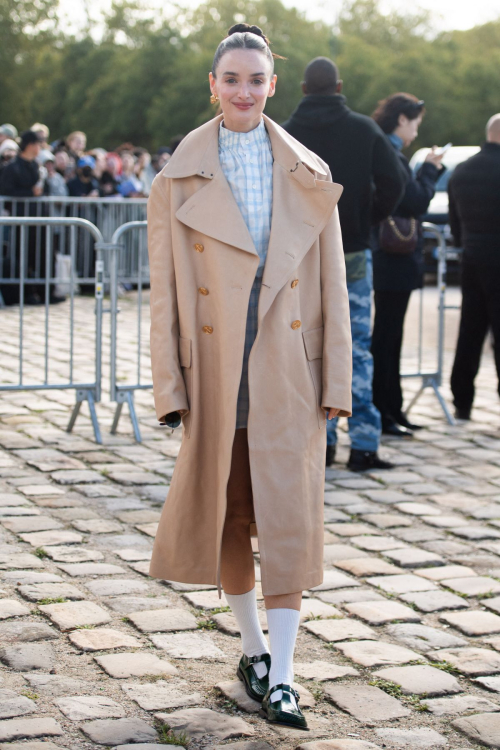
[474,191]
[362,159]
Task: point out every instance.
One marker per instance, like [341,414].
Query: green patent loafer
[283,711]
[255,687]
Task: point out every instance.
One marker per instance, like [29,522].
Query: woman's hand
[435,158]
[332,413]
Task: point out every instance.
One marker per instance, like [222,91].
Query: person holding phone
[397,259]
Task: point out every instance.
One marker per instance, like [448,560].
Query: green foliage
[206,624]
[53,600]
[40,552]
[167,736]
[395,690]
[146,78]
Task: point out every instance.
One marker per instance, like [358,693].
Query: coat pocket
[185,360]
[313,344]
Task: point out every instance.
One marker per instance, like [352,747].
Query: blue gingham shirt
[247,162]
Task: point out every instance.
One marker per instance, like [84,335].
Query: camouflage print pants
[364,425]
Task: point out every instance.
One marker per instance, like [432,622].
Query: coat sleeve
[419,191]
[455,226]
[168,384]
[337,342]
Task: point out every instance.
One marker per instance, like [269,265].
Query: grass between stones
[395,691]
[52,600]
[30,695]
[445,666]
[206,624]
[166,736]
[40,552]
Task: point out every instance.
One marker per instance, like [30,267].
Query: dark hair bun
[245,28]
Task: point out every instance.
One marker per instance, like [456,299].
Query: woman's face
[408,129]
[243,82]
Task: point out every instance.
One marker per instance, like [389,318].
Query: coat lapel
[302,206]
[302,203]
[213,211]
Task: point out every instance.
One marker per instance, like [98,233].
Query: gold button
[199,248]
[296,324]
[203,291]
[294,283]
[207,329]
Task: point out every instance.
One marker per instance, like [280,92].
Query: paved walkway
[399,648]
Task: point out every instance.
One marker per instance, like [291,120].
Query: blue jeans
[365,423]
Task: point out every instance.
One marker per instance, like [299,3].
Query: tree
[25,27]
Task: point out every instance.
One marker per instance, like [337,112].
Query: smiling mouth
[243,106]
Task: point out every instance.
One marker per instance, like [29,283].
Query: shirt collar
[231,140]
[396,141]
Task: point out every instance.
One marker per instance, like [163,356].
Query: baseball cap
[8,145]
[46,155]
[86,161]
[9,130]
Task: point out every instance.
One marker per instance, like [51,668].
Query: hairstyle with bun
[244,36]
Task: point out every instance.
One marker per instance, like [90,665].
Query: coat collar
[198,152]
[298,186]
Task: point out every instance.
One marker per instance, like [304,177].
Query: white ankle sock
[283,626]
[253,641]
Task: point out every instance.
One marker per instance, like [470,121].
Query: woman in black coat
[395,276]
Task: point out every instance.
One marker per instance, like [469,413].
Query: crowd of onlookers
[32,165]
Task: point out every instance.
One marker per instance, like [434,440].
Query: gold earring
[214,99]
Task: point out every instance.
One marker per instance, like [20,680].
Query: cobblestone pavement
[399,648]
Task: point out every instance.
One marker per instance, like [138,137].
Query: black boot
[395,430]
[463,414]
[330,454]
[366,460]
[404,422]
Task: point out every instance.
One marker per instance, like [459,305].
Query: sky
[449,14]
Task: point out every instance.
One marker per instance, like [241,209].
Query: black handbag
[398,236]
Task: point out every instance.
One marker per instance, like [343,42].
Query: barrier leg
[116,418]
[414,399]
[444,406]
[88,396]
[93,417]
[133,416]
[74,414]
[126,397]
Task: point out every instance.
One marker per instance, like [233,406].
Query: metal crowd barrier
[107,214]
[122,262]
[121,274]
[27,267]
[434,378]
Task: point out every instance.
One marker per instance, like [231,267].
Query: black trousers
[387,339]
[480,313]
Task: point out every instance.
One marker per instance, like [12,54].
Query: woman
[250,344]
[395,275]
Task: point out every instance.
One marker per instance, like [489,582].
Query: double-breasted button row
[207,329]
[199,248]
[294,283]
[296,324]
[203,290]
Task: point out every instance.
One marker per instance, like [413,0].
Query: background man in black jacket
[474,191]
[362,160]
[20,177]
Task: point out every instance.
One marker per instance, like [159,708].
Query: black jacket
[19,177]
[403,273]
[474,191]
[360,158]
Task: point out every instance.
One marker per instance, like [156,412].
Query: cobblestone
[410,585]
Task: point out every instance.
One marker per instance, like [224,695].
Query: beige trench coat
[203,263]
